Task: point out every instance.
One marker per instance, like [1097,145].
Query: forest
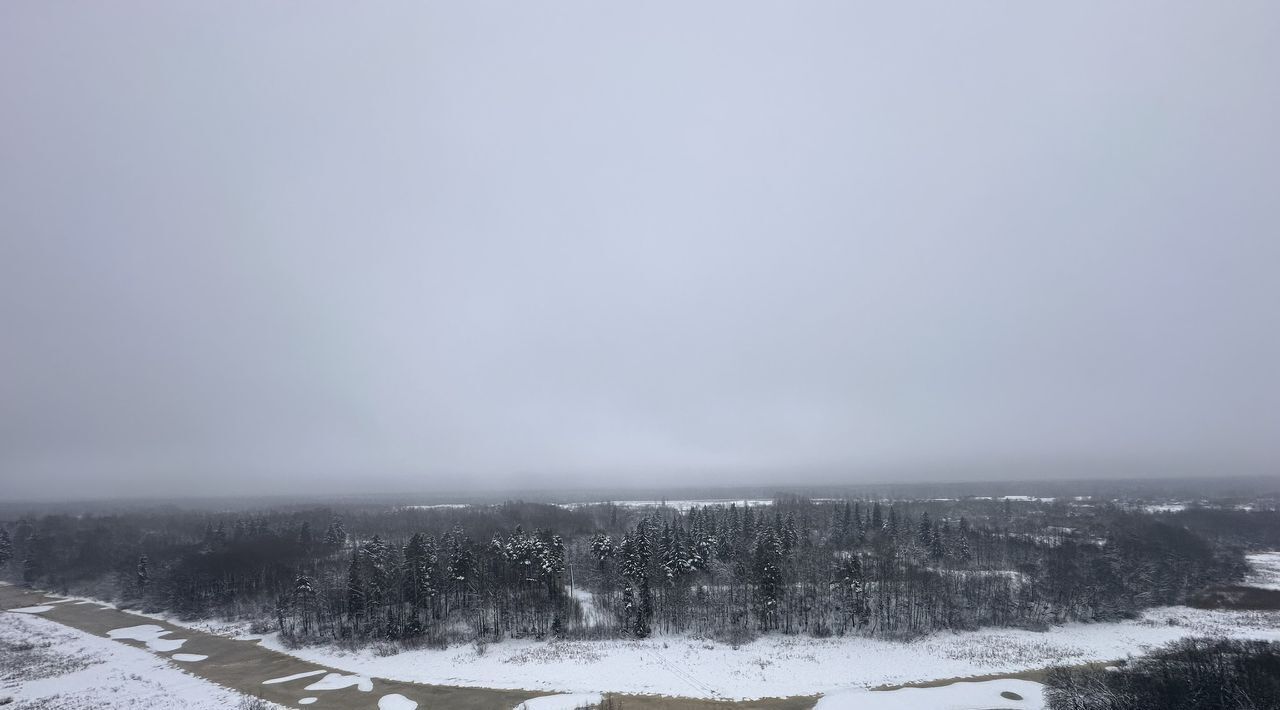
[1192,674]
[440,575]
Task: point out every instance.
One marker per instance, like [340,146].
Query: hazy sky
[318,246]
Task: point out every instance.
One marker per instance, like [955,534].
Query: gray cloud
[270,247]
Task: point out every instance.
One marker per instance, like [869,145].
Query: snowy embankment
[46,664]
[784,665]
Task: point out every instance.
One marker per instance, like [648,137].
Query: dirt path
[244,665]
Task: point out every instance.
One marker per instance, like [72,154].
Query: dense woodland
[819,567]
[1192,674]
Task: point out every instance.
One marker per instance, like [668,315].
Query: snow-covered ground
[680,505]
[571,701]
[1165,508]
[1266,570]
[784,665]
[44,664]
[796,665]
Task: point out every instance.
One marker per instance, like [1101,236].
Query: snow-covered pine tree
[356,593]
[142,577]
[767,574]
[335,536]
[419,571]
[303,600]
[924,533]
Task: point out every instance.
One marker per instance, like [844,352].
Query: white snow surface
[188,657]
[783,665]
[591,614]
[680,505]
[957,696]
[338,681]
[308,700]
[1266,570]
[395,701]
[89,672]
[295,676]
[1165,508]
[571,701]
[150,634]
[39,609]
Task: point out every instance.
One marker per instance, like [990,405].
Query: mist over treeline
[1245,489]
[441,574]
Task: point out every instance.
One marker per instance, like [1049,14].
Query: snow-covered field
[1266,570]
[680,505]
[44,664]
[82,670]
[796,665]
[784,665]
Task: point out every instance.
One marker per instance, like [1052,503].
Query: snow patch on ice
[188,657]
[338,681]
[150,634]
[395,701]
[957,696]
[570,701]
[295,676]
[307,701]
[39,609]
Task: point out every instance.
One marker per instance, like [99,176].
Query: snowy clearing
[1020,694]
[44,664]
[562,702]
[784,665]
[1266,570]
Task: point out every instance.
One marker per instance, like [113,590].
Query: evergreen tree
[420,571]
[335,536]
[356,594]
[6,547]
[768,576]
[602,548]
[303,600]
[924,533]
[143,576]
[937,545]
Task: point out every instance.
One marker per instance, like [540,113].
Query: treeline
[796,566]
[1192,674]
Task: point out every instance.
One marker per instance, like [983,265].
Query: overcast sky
[325,247]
